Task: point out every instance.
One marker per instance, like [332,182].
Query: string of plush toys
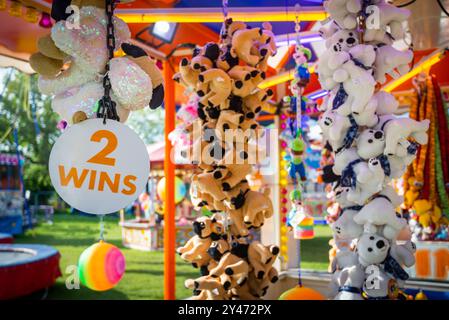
[223,143]
[426,192]
[371,147]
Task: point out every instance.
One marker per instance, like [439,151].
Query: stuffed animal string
[71,64]
[370,146]
[223,141]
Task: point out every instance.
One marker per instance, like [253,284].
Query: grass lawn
[143,279]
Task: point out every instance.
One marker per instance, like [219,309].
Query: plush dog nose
[378,135]
[350,40]
[380,244]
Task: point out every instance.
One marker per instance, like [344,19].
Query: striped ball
[101,266]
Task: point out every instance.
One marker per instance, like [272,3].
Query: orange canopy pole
[169,205]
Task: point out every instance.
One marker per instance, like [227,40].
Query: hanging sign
[99,168]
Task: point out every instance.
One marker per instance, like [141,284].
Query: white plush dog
[366,189]
[381,211]
[345,227]
[344,12]
[391,61]
[397,129]
[372,249]
[350,283]
[383,15]
[334,128]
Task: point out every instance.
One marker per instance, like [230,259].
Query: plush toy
[208,184]
[372,249]
[243,40]
[336,130]
[257,208]
[388,60]
[230,27]
[350,283]
[140,57]
[296,169]
[256,102]
[195,250]
[412,193]
[214,87]
[233,265]
[243,83]
[206,288]
[381,211]
[76,89]
[345,227]
[261,258]
[396,129]
[358,84]
[338,46]
[363,188]
[344,258]
[228,124]
[232,174]
[344,12]
[379,285]
[386,14]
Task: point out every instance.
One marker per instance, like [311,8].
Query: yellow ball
[301,293]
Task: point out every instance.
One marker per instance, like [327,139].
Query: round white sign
[99,168]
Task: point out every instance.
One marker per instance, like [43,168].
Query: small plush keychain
[296,169]
[298,219]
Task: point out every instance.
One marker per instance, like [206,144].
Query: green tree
[22,107]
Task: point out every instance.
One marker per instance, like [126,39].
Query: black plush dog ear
[158,97]
[58,9]
[133,51]
[328,174]
[212,51]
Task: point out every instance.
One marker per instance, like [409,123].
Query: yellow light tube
[281,78]
[423,66]
[198,15]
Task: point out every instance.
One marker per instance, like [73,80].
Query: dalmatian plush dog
[381,211]
[392,62]
[350,283]
[337,53]
[386,14]
[345,227]
[372,249]
[396,129]
[344,12]
[364,190]
[343,259]
[335,128]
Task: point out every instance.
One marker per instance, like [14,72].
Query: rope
[299,263]
[101,227]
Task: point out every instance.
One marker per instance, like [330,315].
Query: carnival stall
[281,119]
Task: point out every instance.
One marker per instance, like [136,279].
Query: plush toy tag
[99,168]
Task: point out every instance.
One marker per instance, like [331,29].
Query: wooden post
[169,205]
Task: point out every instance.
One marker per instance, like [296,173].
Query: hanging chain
[225,17]
[107,107]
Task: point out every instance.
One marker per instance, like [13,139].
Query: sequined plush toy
[71,63]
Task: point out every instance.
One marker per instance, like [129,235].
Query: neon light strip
[248,14]
[423,66]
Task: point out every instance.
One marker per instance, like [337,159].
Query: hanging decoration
[93,95]
[371,147]
[426,191]
[224,145]
[299,221]
[101,266]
